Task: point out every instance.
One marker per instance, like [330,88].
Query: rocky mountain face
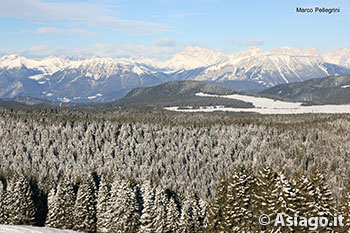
[95,79]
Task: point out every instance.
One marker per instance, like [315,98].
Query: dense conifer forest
[149,170]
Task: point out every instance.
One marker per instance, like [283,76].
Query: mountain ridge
[96,79]
[320,91]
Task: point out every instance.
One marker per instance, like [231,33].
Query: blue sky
[160,28]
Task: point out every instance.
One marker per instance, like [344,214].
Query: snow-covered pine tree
[102,213]
[324,200]
[160,204]
[123,207]
[148,215]
[85,206]
[2,197]
[65,199]
[240,202]
[191,218]
[19,205]
[306,195]
[215,219]
[172,217]
[344,208]
[263,202]
[284,201]
[52,207]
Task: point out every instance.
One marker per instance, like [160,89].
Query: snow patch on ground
[95,96]
[64,100]
[346,86]
[31,229]
[268,106]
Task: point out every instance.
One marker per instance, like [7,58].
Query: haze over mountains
[94,79]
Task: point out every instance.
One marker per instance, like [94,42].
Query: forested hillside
[71,154]
[328,90]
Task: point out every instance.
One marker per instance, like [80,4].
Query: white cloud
[246,43]
[97,15]
[165,42]
[58,31]
[101,50]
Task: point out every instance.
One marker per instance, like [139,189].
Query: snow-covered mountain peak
[339,56]
[194,57]
[47,65]
[287,51]
[12,61]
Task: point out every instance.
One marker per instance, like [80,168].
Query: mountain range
[96,79]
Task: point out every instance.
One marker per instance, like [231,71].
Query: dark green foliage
[329,90]
[216,216]
[182,93]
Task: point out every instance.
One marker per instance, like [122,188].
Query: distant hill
[329,90]
[180,93]
[25,101]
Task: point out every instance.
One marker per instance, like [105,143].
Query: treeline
[100,204]
[111,203]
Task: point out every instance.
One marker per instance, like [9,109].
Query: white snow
[339,57]
[36,77]
[95,96]
[64,100]
[194,57]
[345,86]
[137,70]
[31,229]
[269,106]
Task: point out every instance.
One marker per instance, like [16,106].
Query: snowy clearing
[268,106]
[31,229]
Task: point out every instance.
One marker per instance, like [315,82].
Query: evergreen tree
[215,220]
[2,198]
[52,217]
[124,207]
[63,206]
[19,205]
[263,200]
[172,217]
[191,217]
[160,204]
[344,208]
[103,201]
[240,202]
[324,200]
[306,196]
[85,206]
[284,201]
[148,215]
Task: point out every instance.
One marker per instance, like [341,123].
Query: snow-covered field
[31,229]
[269,106]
